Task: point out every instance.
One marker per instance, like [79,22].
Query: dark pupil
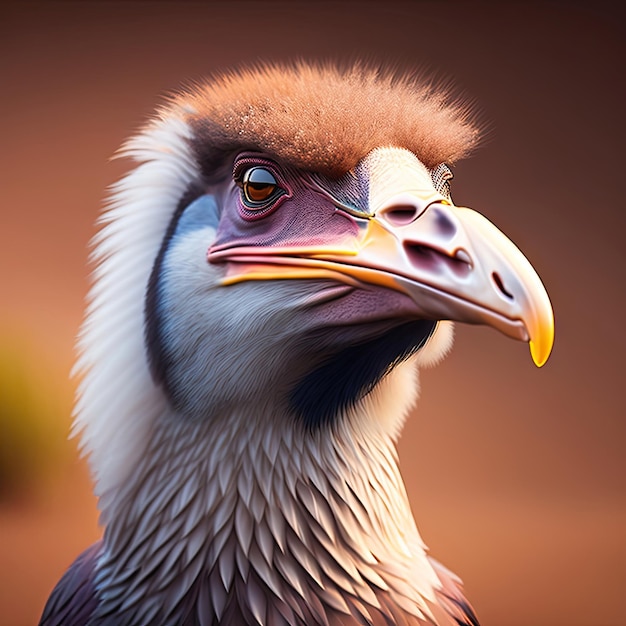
[259,191]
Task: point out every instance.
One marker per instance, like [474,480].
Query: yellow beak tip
[540,351]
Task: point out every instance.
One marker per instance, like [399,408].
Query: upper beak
[452,262]
[456,265]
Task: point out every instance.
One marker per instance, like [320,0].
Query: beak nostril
[436,261]
[401,215]
[500,285]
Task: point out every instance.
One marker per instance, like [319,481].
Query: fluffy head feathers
[325,119]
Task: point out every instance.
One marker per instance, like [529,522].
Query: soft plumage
[323,119]
[267,281]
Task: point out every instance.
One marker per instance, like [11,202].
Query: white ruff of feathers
[320,522]
[118,401]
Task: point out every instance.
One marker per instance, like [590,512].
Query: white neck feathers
[117,399]
[315,521]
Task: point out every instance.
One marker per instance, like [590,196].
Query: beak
[456,265]
[451,261]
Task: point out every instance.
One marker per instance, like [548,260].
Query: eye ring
[262,186]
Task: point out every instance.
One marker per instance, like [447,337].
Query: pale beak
[456,265]
[452,262]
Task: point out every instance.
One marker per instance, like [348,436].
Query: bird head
[287,241]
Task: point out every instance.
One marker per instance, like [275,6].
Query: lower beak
[452,262]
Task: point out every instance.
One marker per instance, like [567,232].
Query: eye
[442,175]
[259,186]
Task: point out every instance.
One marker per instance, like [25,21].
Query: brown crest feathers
[324,119]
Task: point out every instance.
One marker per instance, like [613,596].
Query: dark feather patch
[348,376]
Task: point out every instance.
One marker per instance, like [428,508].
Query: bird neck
[251,513]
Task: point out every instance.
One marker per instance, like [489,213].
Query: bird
[269,277]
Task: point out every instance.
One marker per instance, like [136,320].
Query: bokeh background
[516,475]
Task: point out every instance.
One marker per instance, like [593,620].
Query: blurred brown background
[516,475]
